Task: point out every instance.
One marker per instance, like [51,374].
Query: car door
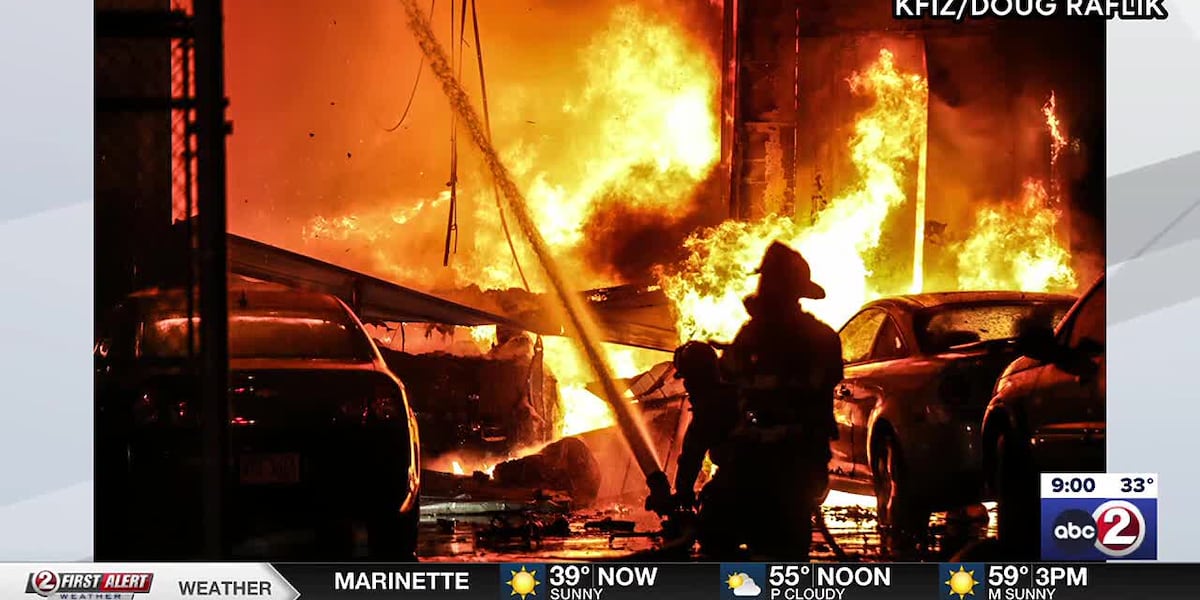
[1069,404]
[874,379]
[858,338]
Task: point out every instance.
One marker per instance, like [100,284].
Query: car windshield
[942,328]
[262,335]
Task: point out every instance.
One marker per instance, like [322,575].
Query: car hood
[1021,363]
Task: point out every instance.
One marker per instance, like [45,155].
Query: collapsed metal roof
[374,299]
[628,315]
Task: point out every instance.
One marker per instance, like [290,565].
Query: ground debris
[609,524]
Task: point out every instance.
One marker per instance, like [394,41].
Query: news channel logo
[1085,529]
[743,580]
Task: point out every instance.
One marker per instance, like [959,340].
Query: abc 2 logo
[1084,529]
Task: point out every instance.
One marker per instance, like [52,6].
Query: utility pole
[211,129]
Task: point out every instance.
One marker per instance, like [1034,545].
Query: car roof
[935,299]
[253,297]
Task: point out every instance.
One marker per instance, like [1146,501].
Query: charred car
[322,444]
[1047,414]
[919,370]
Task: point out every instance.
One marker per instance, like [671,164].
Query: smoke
[989,138]
[636,240]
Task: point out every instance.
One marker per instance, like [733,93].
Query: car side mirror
[1078,361]
[1040,344]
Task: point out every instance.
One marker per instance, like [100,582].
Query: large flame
[639,130]
[1017,244]
[582,410]
[643,131]
[1014,245]
[709,289]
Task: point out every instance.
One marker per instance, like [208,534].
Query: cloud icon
[748,587]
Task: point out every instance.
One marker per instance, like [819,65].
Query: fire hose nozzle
[658,482]
[659,499]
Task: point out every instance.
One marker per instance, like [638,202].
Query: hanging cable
[456,64]
[413,93]
[488,124]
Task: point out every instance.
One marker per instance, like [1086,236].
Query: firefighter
[714,413]
[785,365]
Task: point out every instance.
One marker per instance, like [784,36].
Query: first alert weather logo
[961,582]
[742,585]
[523,583]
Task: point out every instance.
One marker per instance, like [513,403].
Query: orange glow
[634,127]
[622,117]
[170,324]
[1017,245]
[468,464]
[708,291]
[484,336]
[583,411]
[1014,245]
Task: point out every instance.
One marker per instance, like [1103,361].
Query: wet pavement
[502,532]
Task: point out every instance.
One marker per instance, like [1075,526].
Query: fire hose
[578,318]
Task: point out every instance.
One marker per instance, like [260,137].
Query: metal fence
[144,144]
[159,148]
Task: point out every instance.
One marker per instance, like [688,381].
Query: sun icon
[523,583]
[735,581]
[962,583]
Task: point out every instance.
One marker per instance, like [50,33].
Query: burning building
[651,148]
[663,146]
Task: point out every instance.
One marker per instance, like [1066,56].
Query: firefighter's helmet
[695,358]
[784,272]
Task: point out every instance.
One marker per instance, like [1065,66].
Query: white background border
[46,160]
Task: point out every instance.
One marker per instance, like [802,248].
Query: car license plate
[258,469]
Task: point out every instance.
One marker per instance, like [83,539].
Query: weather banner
[599,581]
[732,581]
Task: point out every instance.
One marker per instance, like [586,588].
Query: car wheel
[393,536]
[902,518]
[1016,497]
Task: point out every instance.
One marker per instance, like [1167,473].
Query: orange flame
[1058,137]
[583,411]
[640,129]
[1014,245]
[708,291]
[1017,245]
[484,336]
